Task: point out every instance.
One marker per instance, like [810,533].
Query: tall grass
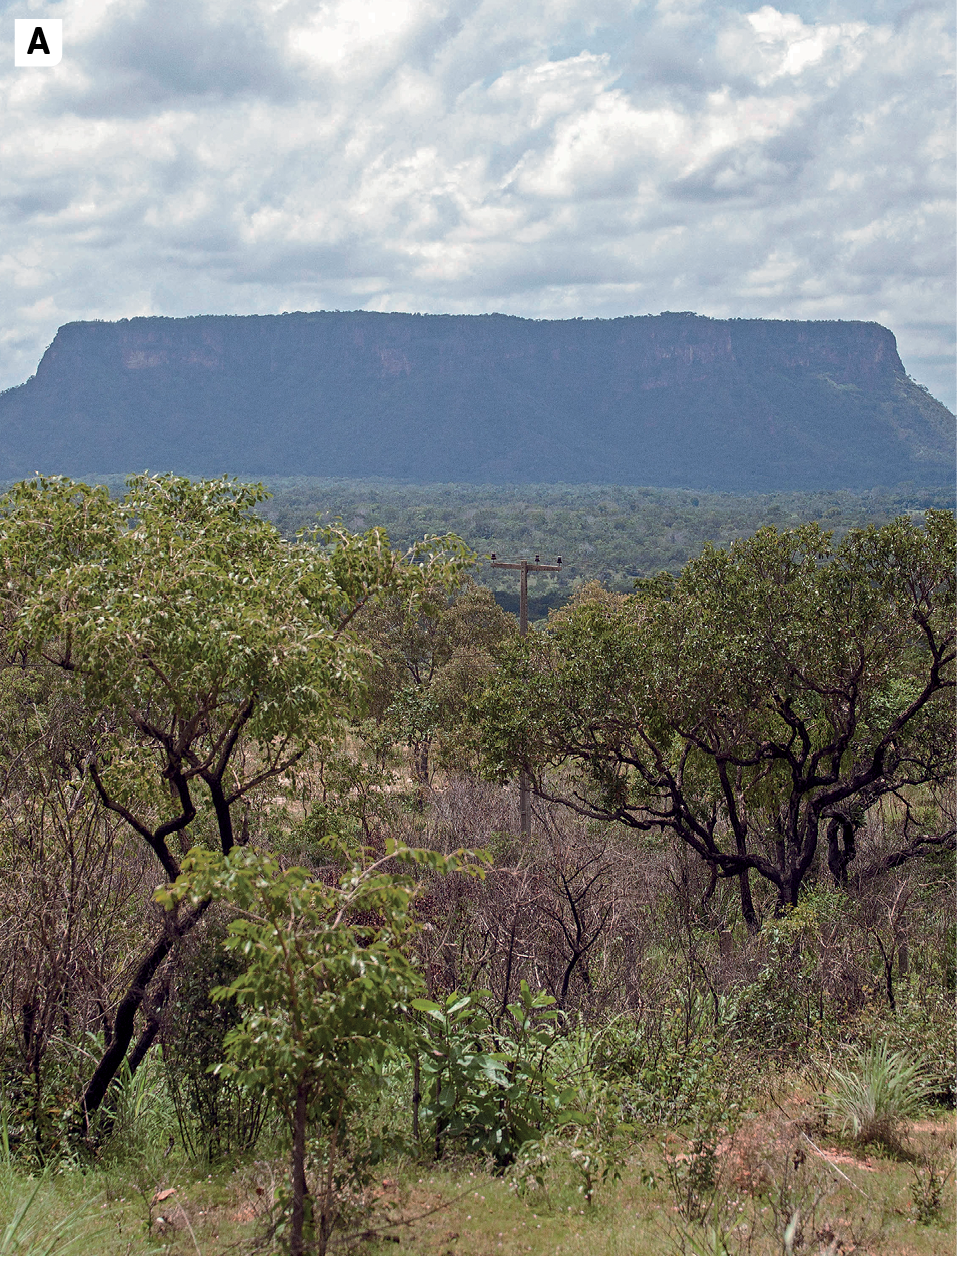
[31,1221]
[31,1209]
[875,1092]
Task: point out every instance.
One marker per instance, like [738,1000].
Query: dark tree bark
[416,1095]
[840,847]
[123,1025]
[151,1028]
[299,1191]
[174,928]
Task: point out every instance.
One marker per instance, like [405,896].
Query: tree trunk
[420,764]
[747,904]
[150,1030]
[130,1005]
[840,830]
[788,892]
[439,1120]
[329,1213]
[299,1193]
[416,1095]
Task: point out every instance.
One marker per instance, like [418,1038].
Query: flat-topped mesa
[663,349]
[668,400]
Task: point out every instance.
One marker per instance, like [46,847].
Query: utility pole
[525,567]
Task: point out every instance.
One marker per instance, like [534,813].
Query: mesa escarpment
[669,400]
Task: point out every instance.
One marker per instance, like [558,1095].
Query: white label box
[37,42]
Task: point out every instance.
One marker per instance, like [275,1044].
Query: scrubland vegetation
[279,972]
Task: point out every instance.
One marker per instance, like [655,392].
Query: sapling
[323,996]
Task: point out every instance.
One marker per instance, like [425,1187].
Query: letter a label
[37,41]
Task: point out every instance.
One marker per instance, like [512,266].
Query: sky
[542,158]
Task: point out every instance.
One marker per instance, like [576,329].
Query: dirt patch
[935,1126]
[758,1150]
[845,1159]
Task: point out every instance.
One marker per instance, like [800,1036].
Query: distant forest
[614,534]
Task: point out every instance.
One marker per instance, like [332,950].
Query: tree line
[614,534]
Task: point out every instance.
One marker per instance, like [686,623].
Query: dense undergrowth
[699,1088]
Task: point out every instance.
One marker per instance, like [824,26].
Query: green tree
[760,703]
[214,652]
[432,658]
[323,993]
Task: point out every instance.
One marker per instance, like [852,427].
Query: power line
[525,568]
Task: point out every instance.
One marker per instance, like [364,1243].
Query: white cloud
[781,44]
[551,159]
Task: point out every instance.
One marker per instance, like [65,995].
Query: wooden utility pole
[525,568]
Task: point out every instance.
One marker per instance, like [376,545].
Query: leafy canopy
[327,976]
[189,622]
[773,689]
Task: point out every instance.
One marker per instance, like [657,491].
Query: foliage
[431,660]
[674,1017]
[927,1188]
[215,1115]
[323,993]
[213,652]
[189,615]
[191,619]
[874,1092]
[679,1068]
[72,902]
[612,534]
[594,1137]
[487,1082]
[923,1030]
[138,1119]
[788,1005]
[931,1174]
[693,1175]
[766,702]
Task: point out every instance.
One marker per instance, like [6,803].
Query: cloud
[550,159]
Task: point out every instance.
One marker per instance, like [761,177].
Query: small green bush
[489,1083]
[214,1115]
[675,1066]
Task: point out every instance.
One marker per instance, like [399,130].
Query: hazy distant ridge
[668,400]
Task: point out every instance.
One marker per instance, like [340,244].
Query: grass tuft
[875,1093]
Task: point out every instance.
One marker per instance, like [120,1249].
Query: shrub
[924,1031]
[489,1085]
[215,1115]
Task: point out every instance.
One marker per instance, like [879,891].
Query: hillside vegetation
[281,971]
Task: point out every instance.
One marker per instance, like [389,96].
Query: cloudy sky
[536,157]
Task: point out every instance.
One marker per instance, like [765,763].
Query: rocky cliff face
[666,400]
